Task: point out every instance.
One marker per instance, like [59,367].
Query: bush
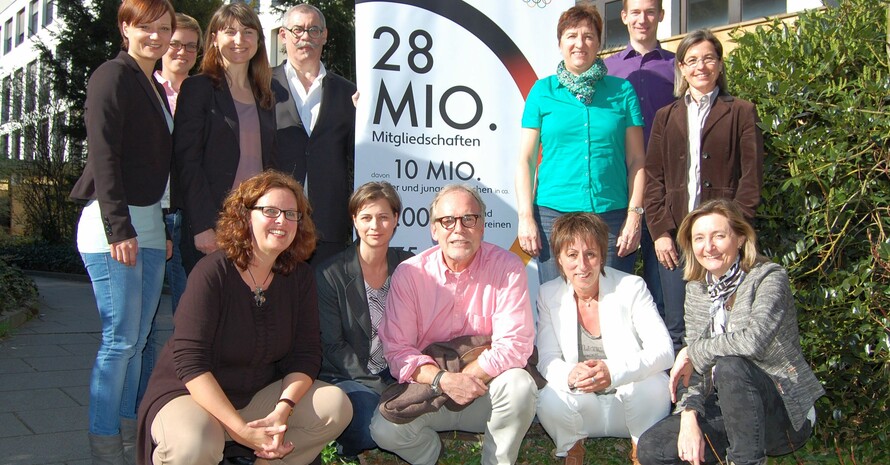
[33,254]
[16,289]
[822,89]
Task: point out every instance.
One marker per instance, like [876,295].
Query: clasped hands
[266,435]
[590,376]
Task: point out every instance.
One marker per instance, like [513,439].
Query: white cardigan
[635,340]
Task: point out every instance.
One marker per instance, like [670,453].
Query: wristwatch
[435,384]
[637,210]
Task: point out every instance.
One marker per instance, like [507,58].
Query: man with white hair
[316,127]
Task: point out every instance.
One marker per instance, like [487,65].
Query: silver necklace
[259,296]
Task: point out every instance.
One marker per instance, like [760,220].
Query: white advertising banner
[443,84]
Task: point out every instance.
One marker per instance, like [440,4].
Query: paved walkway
[44,377]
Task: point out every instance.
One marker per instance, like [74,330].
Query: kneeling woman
[244,355]
[601,344]
[747,390]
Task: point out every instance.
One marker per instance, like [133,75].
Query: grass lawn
[537,449]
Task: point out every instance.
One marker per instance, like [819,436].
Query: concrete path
[44,376]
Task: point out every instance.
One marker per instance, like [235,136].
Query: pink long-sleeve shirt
[429,303]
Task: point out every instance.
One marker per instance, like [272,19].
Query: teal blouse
[583,165]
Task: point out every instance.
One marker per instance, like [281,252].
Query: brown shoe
[576,454]
[633,454]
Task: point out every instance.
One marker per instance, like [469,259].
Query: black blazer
[129,144]
[327,155]
[345,319]
[206,149]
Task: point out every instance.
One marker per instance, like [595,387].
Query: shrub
[822,89]
[33,254]
[16,289]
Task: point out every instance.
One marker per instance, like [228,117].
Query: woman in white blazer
[601,345]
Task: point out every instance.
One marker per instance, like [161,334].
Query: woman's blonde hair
[749,256]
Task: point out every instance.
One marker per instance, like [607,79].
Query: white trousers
[504,414]
[632,409]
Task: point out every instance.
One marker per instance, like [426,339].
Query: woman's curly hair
[233,230]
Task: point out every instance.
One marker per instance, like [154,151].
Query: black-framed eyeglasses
[274,212]
[708,60]
[189,47]
[314,31]
[467,221]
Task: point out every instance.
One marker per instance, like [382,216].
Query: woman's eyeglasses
[273,212]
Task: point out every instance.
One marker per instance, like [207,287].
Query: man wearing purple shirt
[461,287]
[650,69]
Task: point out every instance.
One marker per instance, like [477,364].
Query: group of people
[166,151]
[287,337]
[664,160]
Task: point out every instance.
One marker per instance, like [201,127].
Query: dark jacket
[731,161]
[207,149]
[129,144]
[345,319]
[327,155]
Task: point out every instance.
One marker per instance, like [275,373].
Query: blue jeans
[548,268]
[175,276]
[745,420]
[673,291]
[127,298]
[357,436]
[650,267]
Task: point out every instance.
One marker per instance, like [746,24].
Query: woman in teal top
[590,129]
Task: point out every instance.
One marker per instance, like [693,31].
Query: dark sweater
[219,329]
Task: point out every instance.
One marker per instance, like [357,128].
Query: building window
[615,34]
[34,10]
[58,137]
[4,146]
[30,91]
[17,84]
[713,13]
[44,88]
[7,36]
[706,13]
[20,27]
[49,9]
[16,153]
[4,101]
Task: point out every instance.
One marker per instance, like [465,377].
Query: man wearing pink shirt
[463,286]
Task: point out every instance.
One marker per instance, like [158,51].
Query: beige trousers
[186,434]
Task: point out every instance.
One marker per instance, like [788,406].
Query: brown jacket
[731,161]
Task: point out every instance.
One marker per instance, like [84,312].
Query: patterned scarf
[720,291]
[583,85]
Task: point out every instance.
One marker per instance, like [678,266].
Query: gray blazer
[345,319]
[762,327]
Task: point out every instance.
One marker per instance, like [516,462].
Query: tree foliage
[339,51]
[822,88]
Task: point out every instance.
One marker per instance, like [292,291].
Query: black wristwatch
[435,384]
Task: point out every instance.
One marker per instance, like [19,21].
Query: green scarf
[582,86]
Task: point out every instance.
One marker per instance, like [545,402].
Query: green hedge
[822,89]
[32,254]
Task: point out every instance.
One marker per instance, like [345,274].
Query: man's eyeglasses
[273,212]
[190,47]
[314,31]
[708,60]
[467,221]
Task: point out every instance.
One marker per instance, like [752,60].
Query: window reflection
[706,13]
[616,31]
[756,9]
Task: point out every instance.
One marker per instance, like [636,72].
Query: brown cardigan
[219,329]
[731,161]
